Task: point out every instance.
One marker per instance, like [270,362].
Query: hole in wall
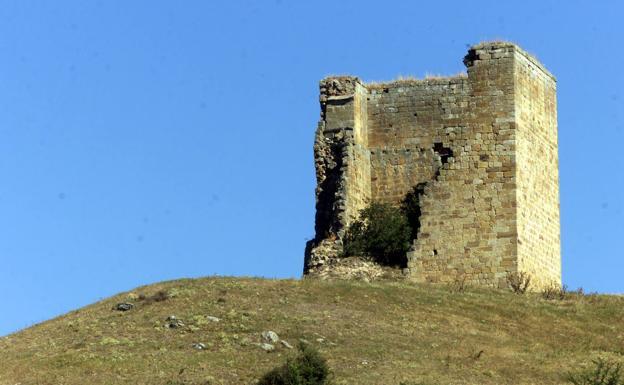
[444,152]
[435,252]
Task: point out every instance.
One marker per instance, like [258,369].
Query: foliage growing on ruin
[382,232]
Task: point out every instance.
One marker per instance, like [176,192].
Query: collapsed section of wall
[342,161]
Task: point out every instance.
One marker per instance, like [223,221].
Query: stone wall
[482,149]
[537,175]
[406,119]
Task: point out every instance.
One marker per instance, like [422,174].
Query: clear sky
[142,141]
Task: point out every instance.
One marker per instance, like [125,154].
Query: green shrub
[603,373]
[308,368]
[381,232]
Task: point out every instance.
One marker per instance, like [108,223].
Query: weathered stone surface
[266,347]
[270,336]
[172,322]
[482,148]
[124,306]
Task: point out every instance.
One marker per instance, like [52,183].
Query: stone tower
[482,149]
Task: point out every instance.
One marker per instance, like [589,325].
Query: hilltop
[371,333]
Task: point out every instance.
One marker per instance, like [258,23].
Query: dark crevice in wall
[327,217]
[412,201]
[444,153]
[411,206]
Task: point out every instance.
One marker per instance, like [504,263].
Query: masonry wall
[538,177]
[405,119]
[482,150]
[359,177]
[341,155]
[468,220]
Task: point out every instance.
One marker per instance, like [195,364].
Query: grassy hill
[379,333]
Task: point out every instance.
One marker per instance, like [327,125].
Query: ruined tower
[482,148]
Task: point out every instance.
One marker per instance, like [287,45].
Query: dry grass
[381,333]
[410,80]
[519,282]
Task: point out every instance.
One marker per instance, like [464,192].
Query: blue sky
[151,140]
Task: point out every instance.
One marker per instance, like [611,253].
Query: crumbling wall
[478,148]
[342,162]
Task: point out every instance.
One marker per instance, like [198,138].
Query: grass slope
[380,333]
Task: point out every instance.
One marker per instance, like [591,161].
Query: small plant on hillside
[519,282]
[603,373]
[381,232]
[308,368]
[555,291]
[459,284]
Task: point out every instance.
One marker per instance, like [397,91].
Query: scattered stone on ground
[356,268]
[124,306]
[266,347]
[199,346]
[286,344]
[212,319]
[173,322]
[270,336]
